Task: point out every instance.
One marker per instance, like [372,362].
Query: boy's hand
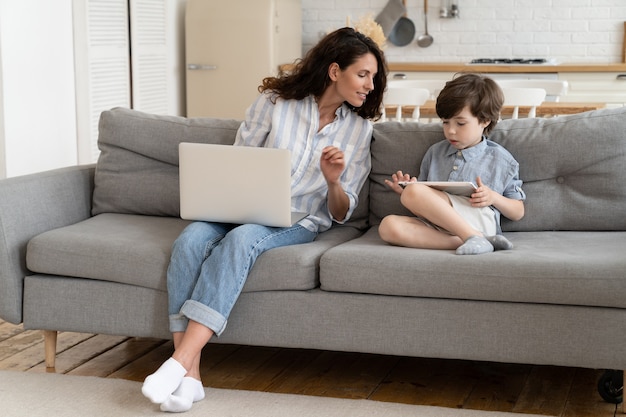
[483,196]
[398,177]
[508,207]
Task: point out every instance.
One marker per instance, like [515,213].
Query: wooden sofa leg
[50,346]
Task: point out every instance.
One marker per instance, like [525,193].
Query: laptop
[236,184]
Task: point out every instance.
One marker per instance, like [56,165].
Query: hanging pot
[390,15]
[403,31]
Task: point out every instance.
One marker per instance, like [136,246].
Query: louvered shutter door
[149,60]
[101,44]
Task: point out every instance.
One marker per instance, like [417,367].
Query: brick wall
[564,30]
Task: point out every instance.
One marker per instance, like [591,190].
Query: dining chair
[523,97]
[404,96]
[554,88]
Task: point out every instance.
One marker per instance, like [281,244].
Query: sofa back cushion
[396,146]
[572,167]
[137,171]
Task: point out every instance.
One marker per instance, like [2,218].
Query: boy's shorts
[482,219]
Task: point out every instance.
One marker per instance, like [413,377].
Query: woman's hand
[332,164]
[396,179]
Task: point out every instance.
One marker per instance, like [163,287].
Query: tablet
[453,187]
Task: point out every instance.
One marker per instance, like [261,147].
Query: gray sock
[475,245]
[499,242]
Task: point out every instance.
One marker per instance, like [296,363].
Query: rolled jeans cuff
[178,323]
[198,312]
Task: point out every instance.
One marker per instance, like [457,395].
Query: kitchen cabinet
[602,87]
[595,83]
[230,47]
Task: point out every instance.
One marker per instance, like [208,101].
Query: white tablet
[452,187]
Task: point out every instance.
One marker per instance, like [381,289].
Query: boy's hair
[481,94]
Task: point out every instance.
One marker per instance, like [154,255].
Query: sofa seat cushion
[572,268]
[135,249]
[124,248]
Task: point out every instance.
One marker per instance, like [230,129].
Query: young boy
[469,107]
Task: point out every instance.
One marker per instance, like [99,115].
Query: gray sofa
[86,248]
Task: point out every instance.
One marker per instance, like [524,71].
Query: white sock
[188,392]
[158,386]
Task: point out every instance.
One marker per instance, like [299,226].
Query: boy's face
[464,130]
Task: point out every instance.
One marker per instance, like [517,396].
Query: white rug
[52,395]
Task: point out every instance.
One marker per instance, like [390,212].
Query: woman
[321,112]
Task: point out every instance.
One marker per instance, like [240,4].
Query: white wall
[566,30]
[37,113]
[38,83]
[37,95]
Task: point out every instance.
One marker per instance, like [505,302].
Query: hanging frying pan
[403,32]
[388,17]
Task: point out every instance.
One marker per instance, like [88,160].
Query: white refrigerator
[231,46]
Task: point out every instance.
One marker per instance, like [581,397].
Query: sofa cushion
[134,249]
[572,168]
[576,268]
[137,171]
[396,146]
[130,249]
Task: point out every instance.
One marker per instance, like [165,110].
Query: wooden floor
[524,389]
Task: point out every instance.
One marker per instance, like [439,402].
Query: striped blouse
[294,125]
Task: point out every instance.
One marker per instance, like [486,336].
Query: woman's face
[464,130]
[355,82]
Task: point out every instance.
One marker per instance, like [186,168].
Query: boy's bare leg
[413,233]
[434,206]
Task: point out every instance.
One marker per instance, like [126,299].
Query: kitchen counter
[504,68]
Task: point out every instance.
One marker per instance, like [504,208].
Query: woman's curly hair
[309,75]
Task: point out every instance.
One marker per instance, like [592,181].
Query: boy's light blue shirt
[488,160]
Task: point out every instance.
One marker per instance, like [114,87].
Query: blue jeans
[210,264]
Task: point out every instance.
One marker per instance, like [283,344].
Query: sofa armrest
[29,205]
